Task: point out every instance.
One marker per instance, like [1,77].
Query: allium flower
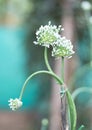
[47,35]
[15,103]
[62,48]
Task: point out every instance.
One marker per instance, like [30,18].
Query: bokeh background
[19,57]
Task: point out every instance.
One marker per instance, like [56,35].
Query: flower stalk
[36,73]
[46,60]
[62,68]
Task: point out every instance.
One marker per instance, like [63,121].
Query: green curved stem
[36,73]
[72,110]
[46,60]
[81,127]
[81,90]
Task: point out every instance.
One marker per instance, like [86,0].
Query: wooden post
[58,106]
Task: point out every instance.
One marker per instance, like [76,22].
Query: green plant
[49,36]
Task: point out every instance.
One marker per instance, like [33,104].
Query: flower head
[62,48]
[15,103]
[48,34]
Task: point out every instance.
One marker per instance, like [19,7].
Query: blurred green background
[19,21]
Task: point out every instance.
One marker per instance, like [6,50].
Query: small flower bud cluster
[49,35]
[15,103]
[63,48]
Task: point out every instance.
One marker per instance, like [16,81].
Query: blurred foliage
[33,14]
[3,4]
[20,8]
[83,37]
[42,12]
[82,77]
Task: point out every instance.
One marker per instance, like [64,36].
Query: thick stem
[62,69]
[72,110]
[63,98]
[46,60]
[36,73]
[81,90]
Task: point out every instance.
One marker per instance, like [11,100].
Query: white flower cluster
[15,103]
[49,35]
[62,48]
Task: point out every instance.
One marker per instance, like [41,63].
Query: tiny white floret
[15,103]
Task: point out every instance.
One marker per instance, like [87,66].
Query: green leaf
[72,110]
[82,126]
